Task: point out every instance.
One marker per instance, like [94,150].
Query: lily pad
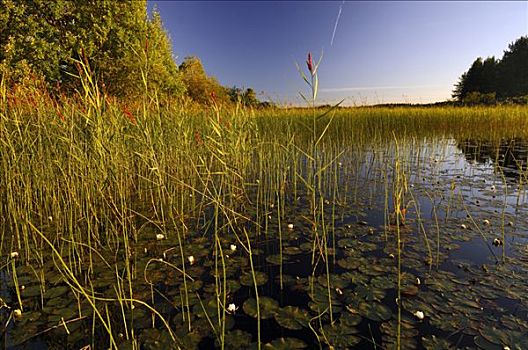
[285,344]
[247,278]
[374,311]
[268,307]
[292,317]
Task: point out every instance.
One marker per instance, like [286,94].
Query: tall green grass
[84,178]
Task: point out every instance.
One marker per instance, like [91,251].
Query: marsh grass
[88,182]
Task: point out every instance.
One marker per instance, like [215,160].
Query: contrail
[336,22]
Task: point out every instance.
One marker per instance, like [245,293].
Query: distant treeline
[127,52]
[497,80]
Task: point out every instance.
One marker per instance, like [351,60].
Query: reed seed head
[309,63]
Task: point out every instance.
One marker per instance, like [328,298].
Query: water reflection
[511,155]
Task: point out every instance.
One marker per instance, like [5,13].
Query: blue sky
[383,51]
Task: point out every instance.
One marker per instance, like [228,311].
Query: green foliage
[246,98]
[127,51]
[475,98]
[513,69]
[506,78]
[200,87]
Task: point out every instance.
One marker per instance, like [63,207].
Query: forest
[494,80]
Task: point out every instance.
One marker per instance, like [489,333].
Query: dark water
[464,264]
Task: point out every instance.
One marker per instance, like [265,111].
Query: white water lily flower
[497,242]
[290,226]
[232,308]
[233,247]
[17,314]
[14,255]
[191,259]
[419,315]
[160,236]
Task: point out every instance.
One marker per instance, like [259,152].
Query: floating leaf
[247,278]
[292,317]
[374,311]
[434,343]
[285,344]
[268,307]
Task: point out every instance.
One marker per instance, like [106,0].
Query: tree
[513,70]
[246,97]
[249,97]
[481,77]
[200,87]
[506,78]
[44,37]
